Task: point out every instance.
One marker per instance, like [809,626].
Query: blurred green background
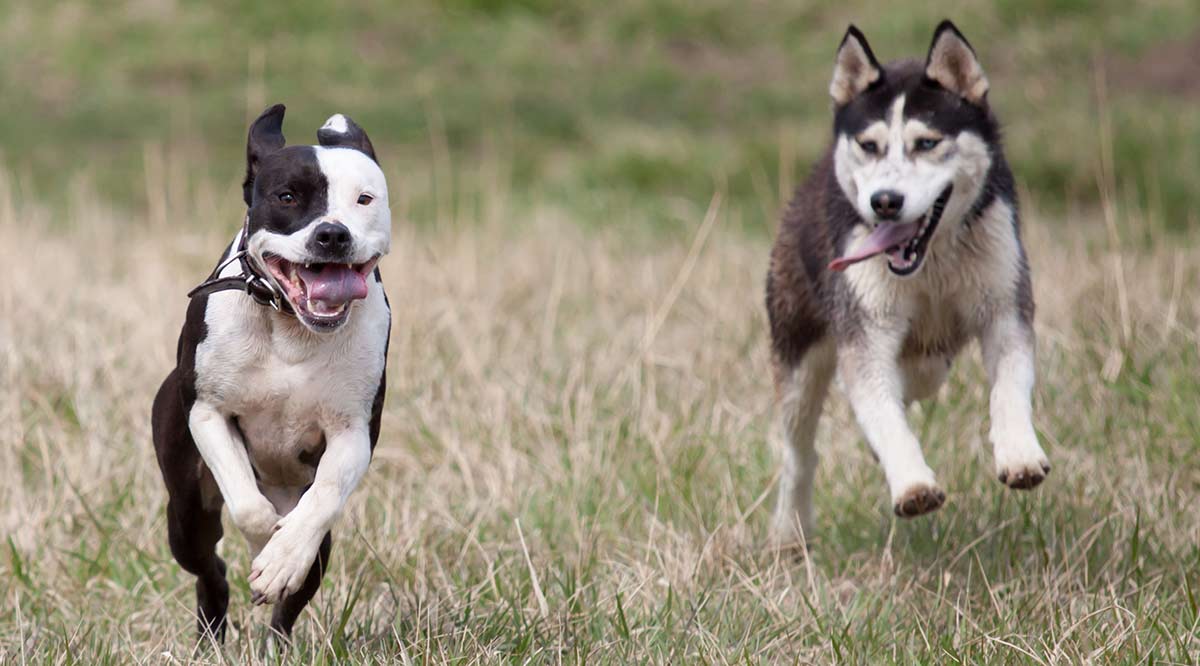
[621,112]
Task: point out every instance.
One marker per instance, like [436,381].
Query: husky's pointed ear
[339,130]
[266,137]
[855,68]
[952,63]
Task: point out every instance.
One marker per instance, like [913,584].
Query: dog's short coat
[274,409]
[902,246]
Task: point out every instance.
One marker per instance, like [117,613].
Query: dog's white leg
[1008,354]
[802,392]
[283,564]
[871,376]
[221,447]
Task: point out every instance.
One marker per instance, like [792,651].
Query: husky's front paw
[281,567]
[1022,467]
[1024,477]
[919,499]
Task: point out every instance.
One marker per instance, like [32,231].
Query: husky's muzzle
[904,243]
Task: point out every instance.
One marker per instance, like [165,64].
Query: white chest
[964,284]
[286,389]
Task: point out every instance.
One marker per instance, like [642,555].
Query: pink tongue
[334,284]
[884,237]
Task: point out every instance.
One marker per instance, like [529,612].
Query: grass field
[574,462]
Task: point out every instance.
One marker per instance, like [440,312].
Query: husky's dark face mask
[913,145]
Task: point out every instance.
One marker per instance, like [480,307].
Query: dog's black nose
[887,204]
[331,238]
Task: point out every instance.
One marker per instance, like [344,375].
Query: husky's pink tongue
[883,238]
[334,284]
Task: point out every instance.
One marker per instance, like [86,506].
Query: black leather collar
[259,287]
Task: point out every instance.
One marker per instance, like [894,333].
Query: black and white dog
[274,405]
[901,247]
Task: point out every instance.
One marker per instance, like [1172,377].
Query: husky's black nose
[330,239]
[887,204]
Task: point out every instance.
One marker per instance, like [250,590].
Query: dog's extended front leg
[871,378]
[224,452]
[283,564]
[1008,354]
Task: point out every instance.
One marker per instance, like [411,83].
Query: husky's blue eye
[869,147]
[925,144]
[287,198]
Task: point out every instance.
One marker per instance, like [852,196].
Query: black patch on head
[285,188]
[289,192]
[265,137]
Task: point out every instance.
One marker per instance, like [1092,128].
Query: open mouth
[904,244]
[321,292]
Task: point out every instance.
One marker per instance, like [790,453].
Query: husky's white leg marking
[1008,354]
[224,453]
[872,381]
[793,431]
[283,564]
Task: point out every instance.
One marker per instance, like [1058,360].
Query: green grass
[574,464]
[623,106]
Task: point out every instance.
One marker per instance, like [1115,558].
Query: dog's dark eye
[869,147]
[925,144]
[365,199]
[287,198]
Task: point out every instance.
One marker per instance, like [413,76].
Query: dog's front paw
[281,567]
[1024,476]
[255,519]
[1021,467]
[918,499]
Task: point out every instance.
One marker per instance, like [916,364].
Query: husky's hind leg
[800,395]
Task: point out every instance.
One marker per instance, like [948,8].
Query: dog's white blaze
[350,174]
[336,123]
[962,160]
[793,433]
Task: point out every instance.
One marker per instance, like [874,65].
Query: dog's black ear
[265,137]
[855,68]
[339,130]
[952,63]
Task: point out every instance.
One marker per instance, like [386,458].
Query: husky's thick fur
[901,247]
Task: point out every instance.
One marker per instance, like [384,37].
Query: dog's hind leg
[283,618]
[193,532]
[193,509]
[801,390]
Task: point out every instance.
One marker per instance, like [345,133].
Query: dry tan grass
[573,462]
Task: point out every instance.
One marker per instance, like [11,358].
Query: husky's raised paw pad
[919,500]
[1024,478]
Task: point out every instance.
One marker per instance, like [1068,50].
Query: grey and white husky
[901,247]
